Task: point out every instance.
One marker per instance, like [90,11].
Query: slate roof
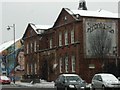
[39,28]
[7,44]
[98,13]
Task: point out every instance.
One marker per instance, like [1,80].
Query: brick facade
[50,52]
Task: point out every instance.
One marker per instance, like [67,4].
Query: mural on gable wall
[100,37]
[16,64]
[20,61]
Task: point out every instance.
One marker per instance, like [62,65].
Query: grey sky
[22,13]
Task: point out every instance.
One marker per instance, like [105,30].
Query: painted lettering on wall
[96,26]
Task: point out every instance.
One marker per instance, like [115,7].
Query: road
[15,87]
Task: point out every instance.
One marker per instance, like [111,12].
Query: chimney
[82,5]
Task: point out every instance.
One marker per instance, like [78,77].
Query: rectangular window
[66,64]
[35,45]
[66,38]
[32,69]
[31,47]
[60,39]
[28,69]
[73,63]
[60,64]
[27,48]
[38,62]
[35,68]
[50,42]
[72,36]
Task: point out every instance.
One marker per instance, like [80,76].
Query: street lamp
[8,28]
[116,58]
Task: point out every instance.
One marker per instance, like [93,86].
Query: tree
[100,43]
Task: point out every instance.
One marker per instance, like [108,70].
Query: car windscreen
[73,78]
[109,78]
[4,78]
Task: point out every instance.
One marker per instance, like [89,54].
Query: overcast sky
[42,12]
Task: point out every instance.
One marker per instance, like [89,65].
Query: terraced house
[80,41]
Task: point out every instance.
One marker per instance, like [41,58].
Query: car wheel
[103,87]
[92,87]
[58,88]
[65,88]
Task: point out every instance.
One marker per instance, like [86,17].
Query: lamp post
[8,28]
[116,59]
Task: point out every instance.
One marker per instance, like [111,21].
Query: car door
[99,82]
[60,82]
[95,81]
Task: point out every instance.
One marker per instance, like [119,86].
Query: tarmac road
[15,87]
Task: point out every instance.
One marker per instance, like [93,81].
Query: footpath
[42,84]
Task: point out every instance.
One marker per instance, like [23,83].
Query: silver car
[104,80]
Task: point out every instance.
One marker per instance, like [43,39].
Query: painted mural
[13,63]
[20,61]
[100,37]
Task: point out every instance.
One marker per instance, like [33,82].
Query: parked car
[70,81]
[119,78]
[104,80]
[5,80]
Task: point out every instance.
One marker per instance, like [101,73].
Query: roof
[7,44]
[69,74]
[98,13]
[40,27]
[105,74]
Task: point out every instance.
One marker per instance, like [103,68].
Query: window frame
[66,37]
[60,65]
[51,42]
[35,68]
[31,47]
[66,64]
[73,62]
[60,38]
[28,71]
[27,47]
[35,46]
[72,36]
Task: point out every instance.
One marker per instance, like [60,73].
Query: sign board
[100,37]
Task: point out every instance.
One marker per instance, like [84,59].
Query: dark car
[69,81]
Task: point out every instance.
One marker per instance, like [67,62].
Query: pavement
[42,84]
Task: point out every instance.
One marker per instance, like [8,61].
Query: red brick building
[34,42]
[80,41]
